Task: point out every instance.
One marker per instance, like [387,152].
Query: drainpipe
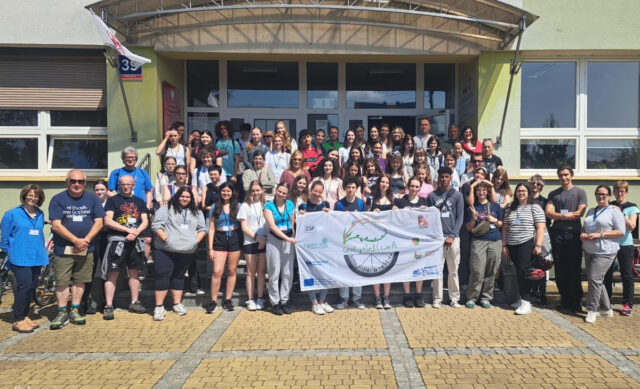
[514,69]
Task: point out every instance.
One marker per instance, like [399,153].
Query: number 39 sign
[128,70]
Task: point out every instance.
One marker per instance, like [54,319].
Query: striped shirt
[521,222]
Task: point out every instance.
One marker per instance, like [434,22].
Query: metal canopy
[485,24]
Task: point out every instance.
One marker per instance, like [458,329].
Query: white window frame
[41,132]
[581,132]
[88,172]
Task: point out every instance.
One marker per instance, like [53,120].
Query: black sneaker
[107,313]
[227,305]
[543,300]
[90,308]
[277,310]
[136,307]
[210,307]
[285,309]
[418,302]
[407,301]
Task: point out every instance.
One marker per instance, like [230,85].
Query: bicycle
[45,291]
[6,277]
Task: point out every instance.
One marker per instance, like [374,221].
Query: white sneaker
[158,313]
[455,304]
[251,305]
[199,292]
[359,304]
[515,305]
[591,317]
[326,307]
[608,313]
[179,309]
[343,304]
[317,309]
[436,305]
[259,304]
[524,308]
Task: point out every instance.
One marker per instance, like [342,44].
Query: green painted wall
[142,97]
[583,25]
[493,83]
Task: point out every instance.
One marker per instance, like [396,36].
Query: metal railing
[145,163]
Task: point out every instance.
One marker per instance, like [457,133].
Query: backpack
[360,204]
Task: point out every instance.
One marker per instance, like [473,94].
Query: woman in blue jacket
[23,239]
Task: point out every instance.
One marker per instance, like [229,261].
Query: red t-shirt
[313,157]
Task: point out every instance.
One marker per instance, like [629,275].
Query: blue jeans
[25,278]
[357,293]
[315,295]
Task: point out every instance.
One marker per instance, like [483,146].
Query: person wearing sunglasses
[76,219]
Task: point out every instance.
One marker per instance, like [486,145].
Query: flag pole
[112,58]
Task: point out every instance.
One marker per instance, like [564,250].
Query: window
[381,85]
[44,142]
[202,121]
[548,95]
[583,112]
[85,154]
[322,85]
[439,86]
[262,84]
[203,88]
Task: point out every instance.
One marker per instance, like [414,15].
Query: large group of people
[240,197]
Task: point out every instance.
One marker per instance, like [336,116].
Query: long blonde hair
[249,199]
[285,135]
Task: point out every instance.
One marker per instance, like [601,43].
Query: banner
[338,249]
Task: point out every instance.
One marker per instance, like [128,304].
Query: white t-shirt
[253,214]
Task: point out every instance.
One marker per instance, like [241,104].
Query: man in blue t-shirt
[350,203]
[76,218]
[143,186]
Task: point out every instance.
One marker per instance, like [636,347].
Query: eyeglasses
[536,184]
[81,182]
[268,136]
[130,157]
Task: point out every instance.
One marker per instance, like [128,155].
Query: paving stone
[129,332]
[480,327]
[350,329]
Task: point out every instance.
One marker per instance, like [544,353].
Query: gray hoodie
[452,213]
[180,240]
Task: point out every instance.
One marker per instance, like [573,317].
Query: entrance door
[439,122]
[268,123]
[408,123]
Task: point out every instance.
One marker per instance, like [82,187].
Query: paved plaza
[403,348]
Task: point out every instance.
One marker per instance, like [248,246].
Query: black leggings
[522,257]
[626,255]
[170,268]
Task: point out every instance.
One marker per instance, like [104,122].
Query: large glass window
[262,84]
[18,118]
[375,85]
[79,154]
[322,85]
[548,95]
[202,121]
[203,87]
[79,118]
[612,94]
[547,153]
[18,153]
[270,125]
[439,86]
[321,122]
[613,154]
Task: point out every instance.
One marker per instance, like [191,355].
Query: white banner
[109,39]
[338,249]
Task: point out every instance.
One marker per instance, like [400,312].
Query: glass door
[439,122]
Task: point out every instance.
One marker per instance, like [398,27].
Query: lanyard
[596,214]
[32,220]
[282,215]
[327,188]
[184,216]
[258,213]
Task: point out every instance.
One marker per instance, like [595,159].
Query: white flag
[109,39]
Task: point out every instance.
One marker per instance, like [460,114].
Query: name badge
[444,214]
[226,156]
[184,226]
[132,220]
[34,232]
[226,228]
[78,218]
[564,211]
[283,228]
[492,226]
[516,222]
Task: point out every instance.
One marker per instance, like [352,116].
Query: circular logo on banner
[368,249]
[371,265]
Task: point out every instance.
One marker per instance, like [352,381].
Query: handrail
[145,163]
